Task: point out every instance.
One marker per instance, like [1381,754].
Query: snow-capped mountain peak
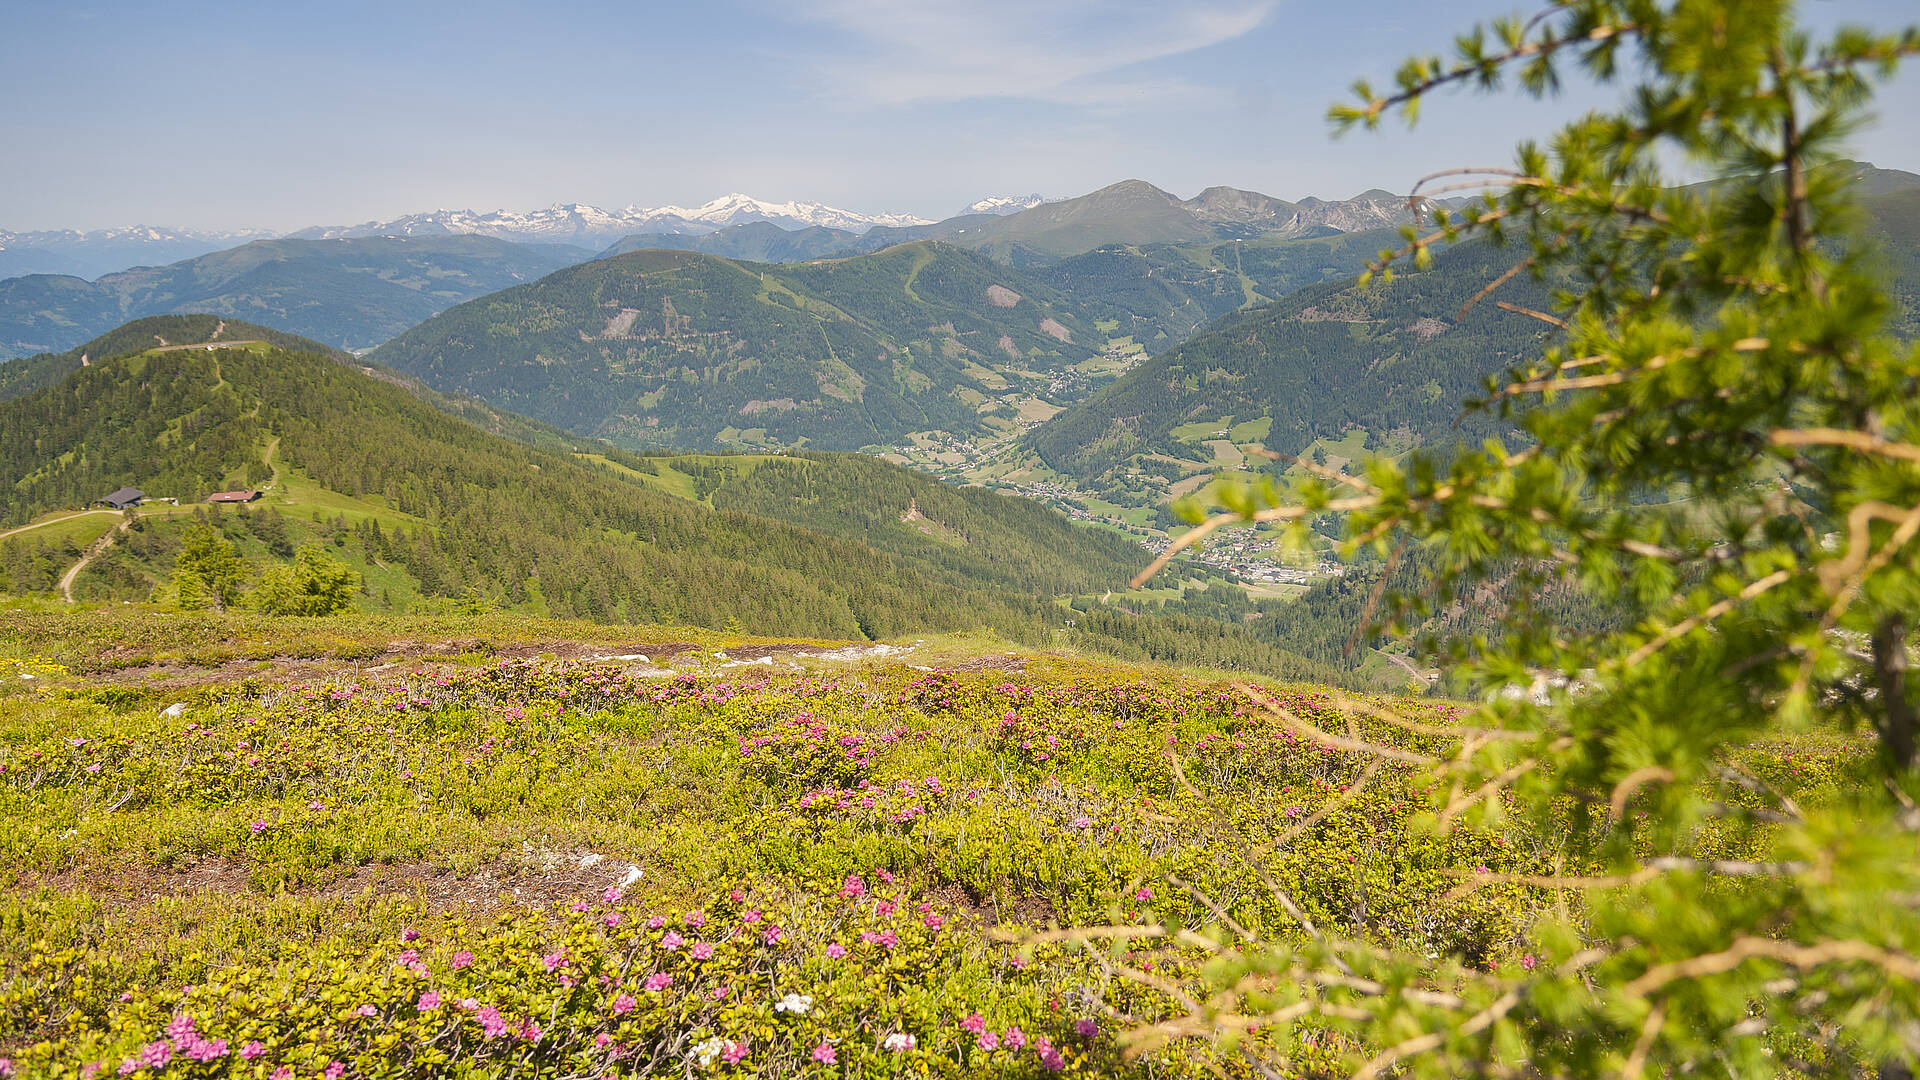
[737,209]
[581,223]
[1003,204]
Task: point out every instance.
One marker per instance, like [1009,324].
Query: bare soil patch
[188,676]
[761,652]
[1315,314]
[620,325]
[588,650]
[431,888]
[128,665]
[1014,911]
[994,663]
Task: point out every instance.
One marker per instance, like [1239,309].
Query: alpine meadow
[1459,630]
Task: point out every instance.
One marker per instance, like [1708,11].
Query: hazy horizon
[282,119]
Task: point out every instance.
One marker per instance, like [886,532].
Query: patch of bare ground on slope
[430,888]
[593,650]
[136,662]
[1026,910]
[141,668]
[1006,662]
[761,652]
[143,671]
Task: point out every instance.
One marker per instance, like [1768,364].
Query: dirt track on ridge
[94,550]
[53,521]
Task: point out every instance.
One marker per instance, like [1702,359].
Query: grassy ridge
[21,377]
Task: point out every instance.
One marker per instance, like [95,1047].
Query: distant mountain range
[1029,231]
[757,335]
[380,278]
[102,251]
[578,223]
[1136,212]
[1024,229]
[1132,211]
[1001,204]
[348,293]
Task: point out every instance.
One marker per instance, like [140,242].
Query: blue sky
[281,115]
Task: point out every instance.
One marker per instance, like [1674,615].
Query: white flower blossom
[705,1052]
[898,1042]
[797,1004]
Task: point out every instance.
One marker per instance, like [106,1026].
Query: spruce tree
[1726,342]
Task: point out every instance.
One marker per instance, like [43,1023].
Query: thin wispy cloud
[1071,52]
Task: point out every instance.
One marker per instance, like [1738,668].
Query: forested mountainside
[1157,294]
[758,241]
[959,534]
[348,293]
[1161,294]
[686,350]
[28,374]
[1896,224]
[1396,357]
[432,508]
